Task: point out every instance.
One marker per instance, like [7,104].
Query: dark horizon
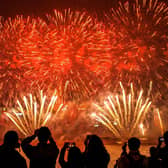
[11,8]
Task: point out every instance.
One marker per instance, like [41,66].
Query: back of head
[44,134]
[134,144]
[96,153]
[166,137]
[11,139]
[74,155]
[96,146]
[95,142]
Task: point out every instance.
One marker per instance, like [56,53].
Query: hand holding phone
[161,139]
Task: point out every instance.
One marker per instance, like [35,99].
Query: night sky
[41,7]
[10,8]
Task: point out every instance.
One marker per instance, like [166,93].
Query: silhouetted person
[163,152]
[153,160]
[9,156]
[43,155]
[95,155]
[133,159]
[74,156]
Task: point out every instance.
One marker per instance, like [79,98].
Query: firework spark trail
[141,126]
[160,121]
[122,113]
[32,113]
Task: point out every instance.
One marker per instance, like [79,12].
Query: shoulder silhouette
[95,154]
[153,160]
[45,153]
[9,156]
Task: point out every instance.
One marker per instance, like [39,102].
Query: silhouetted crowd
[95,155]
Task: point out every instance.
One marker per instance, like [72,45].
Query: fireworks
[34,112]
[60,53]
[143,19]
[74,43]
[141,127]
[140,30]
[123,113]
[160,121]
[17,54]
[76,54]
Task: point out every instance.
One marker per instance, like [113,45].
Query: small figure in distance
[9,156]
[153,160]
[124,149]
[95,154]
[163,152]
[74,159]
[43,155]
[133,159]
[124,152]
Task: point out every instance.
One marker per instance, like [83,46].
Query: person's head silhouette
[74,155]
[95,154]
[134,144]
[166,137]
[95,145]
[95,142]
[11,139]
[43,134]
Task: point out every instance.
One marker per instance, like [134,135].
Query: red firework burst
[72,44]
[17,48]
[139,28]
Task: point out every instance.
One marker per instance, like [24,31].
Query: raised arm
[26,146]
[62,155]
[160,140]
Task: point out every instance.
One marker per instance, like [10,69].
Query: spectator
[163,152]
[9,156]
[95,154]
[153,161]
[43,155]
[133,159]
[74,156]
